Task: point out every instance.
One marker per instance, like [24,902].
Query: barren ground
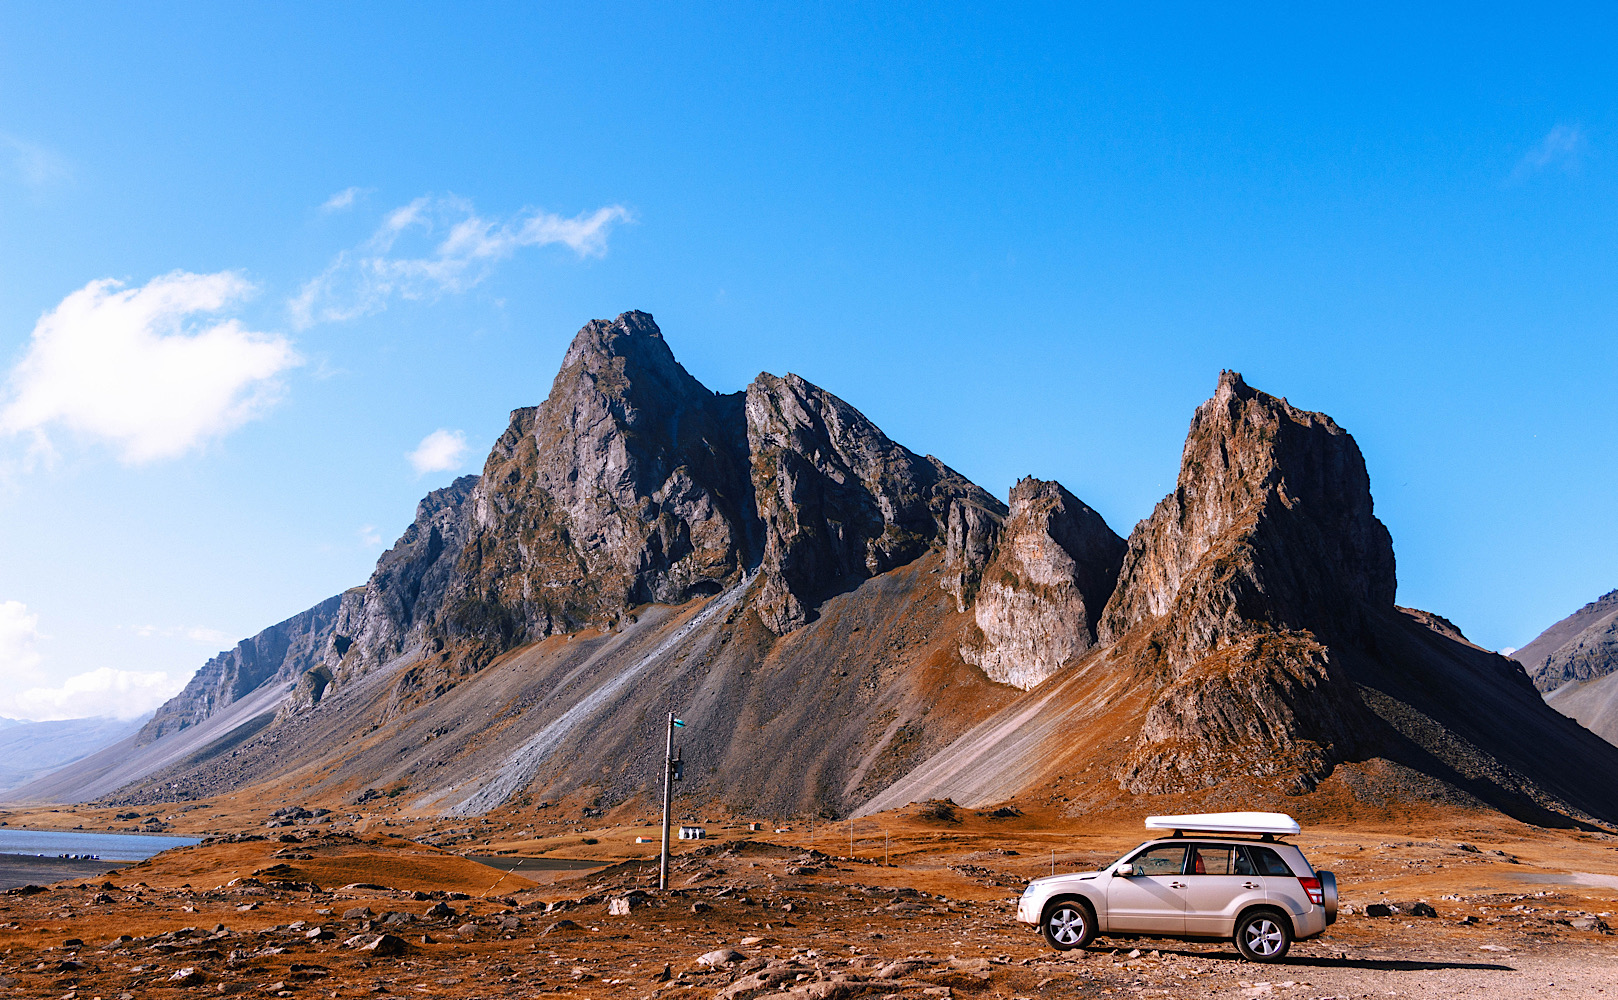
[923,907]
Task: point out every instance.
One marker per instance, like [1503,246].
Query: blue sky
[254,257]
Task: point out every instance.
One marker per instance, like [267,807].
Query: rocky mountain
[846,625]
[1574,663]
[1252,651]
[276,657]
[1054,566]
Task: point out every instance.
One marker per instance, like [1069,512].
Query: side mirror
[1125,870]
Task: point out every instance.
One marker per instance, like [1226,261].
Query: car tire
[1069,924]
[1263,936]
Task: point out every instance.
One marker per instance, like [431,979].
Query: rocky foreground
[1511,912]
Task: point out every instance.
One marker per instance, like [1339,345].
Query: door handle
[1251,885]
[1176,885]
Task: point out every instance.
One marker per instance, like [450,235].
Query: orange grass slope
[328,861]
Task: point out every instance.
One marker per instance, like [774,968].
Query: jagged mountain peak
[840,501]
[1273,507]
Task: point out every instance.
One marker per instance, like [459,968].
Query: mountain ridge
[846,623]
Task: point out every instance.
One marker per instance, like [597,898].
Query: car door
[1220,882]
[1281,885]
[1151,901]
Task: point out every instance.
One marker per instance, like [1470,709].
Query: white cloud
[438,246]
[440,451]
[122,694]
[132,366]
[35,164]
[369,536]
[26,691]
[344,199]
[1562,146]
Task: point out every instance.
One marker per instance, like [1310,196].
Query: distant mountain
[1574,663]
[30,750]
[846,625]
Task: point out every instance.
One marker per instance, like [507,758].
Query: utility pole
[669,774]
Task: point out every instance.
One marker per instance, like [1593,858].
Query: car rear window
[1266,861]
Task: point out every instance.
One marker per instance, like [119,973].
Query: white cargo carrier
[1256,823]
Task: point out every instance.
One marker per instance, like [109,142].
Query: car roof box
[1259,823]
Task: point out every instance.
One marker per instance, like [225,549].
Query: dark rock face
[1266,553]
[1042,593]
[839,501]
[278,655]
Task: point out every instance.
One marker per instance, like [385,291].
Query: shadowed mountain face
[848,625]
[839,501]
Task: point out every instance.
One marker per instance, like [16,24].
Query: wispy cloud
[195,633]
[34,164]
[133,367]
[370,537]
[436,246]
[440,451]
[344,199]
[1562,147]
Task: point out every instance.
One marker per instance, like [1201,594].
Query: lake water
[108,846]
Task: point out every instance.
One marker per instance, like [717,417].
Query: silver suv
[1259,892]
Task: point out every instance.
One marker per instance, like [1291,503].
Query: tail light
[1312,886]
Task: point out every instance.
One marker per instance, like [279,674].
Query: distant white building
[692,833]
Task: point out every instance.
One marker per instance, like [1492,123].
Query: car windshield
[1132,852]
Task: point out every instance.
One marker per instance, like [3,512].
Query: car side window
[1266,861]
[1210,859]
[1244,863]
[1162,860]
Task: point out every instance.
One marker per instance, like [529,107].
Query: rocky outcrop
[1574,664]
[1270,523]
[278,655]
[1581,647]
[1266,553]
[627,485]
[391,613]
[1042,593]
[840,502]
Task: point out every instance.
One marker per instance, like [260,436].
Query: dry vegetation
[923,907]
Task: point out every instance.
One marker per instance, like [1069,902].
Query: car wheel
[1261,936]
[1069,924]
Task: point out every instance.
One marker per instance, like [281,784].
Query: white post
[668,780]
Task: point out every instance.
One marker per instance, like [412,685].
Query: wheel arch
[1267,907]
[1069,896]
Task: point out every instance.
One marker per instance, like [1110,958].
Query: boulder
[720,956]
[386,944]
